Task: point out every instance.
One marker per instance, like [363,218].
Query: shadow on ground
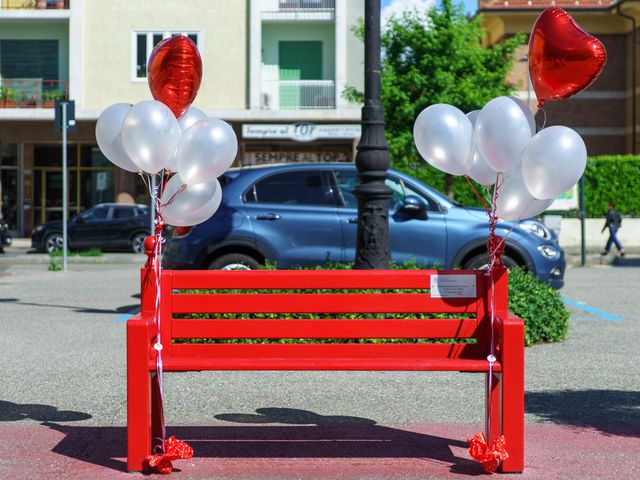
[75,308]
[612,412]
[12,412]
[304,435]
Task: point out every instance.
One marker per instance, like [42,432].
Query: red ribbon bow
[488,455]
[174,449]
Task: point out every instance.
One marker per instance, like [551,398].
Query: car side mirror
[415,207]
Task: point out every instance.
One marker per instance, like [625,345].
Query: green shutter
[298,61]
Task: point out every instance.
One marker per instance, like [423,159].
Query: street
[63,355]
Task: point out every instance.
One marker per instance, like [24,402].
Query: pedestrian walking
[613,222]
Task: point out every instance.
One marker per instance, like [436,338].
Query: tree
[436,58]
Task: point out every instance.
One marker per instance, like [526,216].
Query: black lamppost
[372,159]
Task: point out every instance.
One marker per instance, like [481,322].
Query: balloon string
[475,190]
[544,121]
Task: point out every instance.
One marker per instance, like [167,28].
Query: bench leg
[493,397]
[156,413]
[513,398]
[138,397]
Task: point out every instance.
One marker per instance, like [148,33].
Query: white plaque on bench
[453,286]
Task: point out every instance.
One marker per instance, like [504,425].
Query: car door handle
[352,220]
[270,217]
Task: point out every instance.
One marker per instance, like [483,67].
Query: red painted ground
[318,452]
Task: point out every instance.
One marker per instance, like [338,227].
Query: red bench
[507,394]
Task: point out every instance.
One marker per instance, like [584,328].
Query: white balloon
[189,118]
[108,135]
[514,202]
[479,170]
[150,134]
[443,135]
[206,150]
[553,161]
[504,127]
[183,206]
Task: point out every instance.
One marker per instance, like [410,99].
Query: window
[95,214]
[347,181]
[120,213]
[143,45]
[293,188]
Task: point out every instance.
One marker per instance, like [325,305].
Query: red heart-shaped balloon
[563,58]
[174,73]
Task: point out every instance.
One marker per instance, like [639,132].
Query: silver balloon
[443,135]
[479,170]
[150,134]
[189,118]
[108,135]
[504,127]
[185,206]
[553,161]
[206,150]
[208,209]
[514,202]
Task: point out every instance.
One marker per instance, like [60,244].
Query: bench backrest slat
[319,303]
[325,328]
[294,279]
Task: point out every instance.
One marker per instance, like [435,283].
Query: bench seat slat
[320,303]
[296,279]
[333,363]
[324,328]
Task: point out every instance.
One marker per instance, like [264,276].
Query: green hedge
[607,177]
[540,306]
[544,314]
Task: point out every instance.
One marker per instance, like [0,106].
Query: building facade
[605,114]
[273,69]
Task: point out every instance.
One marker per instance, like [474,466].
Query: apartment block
[274,69]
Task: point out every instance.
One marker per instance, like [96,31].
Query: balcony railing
[298,94]
[33,4]
[32,92]
[301,10]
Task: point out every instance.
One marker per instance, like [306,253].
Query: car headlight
[39,228]
[548,251]
[537,228]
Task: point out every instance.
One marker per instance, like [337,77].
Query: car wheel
[234,261]
[137,242]
[53,242]
[481,262]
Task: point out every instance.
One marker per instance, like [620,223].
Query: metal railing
[32,92]
[298,94]
[33,4]
[302,10]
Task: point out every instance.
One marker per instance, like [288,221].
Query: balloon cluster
[499,144]
[167,135]
[501,139]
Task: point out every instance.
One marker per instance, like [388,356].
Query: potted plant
[9,97]
[49,98]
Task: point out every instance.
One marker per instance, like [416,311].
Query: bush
[540,306]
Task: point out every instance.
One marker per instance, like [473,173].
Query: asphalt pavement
[63,409]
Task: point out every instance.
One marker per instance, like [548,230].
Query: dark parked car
[306,214]
[109,226]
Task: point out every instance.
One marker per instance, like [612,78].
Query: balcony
[32,92]
[295,10]
[298,94]
[33,4]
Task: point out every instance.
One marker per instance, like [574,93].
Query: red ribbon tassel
[174,449]
[489,456]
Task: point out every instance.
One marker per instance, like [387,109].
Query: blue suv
[306,214]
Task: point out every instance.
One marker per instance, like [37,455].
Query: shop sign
[301,131]
[260,158]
